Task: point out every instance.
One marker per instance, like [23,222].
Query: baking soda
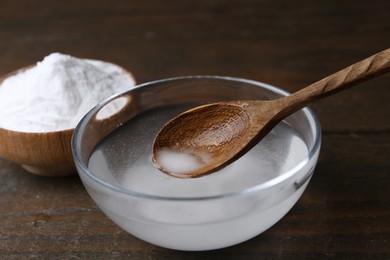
[178,162]
[56,93]
[183,162]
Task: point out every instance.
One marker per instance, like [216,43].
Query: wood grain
[345,211]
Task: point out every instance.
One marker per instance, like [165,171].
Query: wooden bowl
[42,153]
[47,154]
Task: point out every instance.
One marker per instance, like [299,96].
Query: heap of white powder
[56,93]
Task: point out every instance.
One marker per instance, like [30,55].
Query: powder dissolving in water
[178,162]
[115,158]
[56,93]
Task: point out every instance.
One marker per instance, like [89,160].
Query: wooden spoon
[206,138]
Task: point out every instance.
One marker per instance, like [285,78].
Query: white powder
[181,162]
[58,92]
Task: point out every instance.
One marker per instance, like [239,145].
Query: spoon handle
[363,70]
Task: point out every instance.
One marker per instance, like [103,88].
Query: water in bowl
[124,159]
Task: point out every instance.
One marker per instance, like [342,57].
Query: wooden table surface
[344,212]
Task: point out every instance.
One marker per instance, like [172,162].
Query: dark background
[345,211]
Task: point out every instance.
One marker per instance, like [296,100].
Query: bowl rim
[83,169]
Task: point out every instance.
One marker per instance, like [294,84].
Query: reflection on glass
[113,107]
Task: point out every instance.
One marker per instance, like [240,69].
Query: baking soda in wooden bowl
[56,93]
[40,106]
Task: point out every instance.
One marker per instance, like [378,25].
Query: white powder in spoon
[182,162]
[56,93]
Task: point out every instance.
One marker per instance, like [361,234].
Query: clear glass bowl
[192,214]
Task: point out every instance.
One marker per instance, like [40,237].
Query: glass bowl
[111,148]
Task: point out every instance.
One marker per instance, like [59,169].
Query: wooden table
[345,211]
